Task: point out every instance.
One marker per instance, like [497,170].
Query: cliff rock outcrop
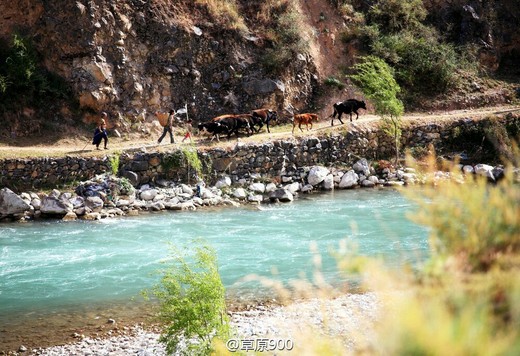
[134,57]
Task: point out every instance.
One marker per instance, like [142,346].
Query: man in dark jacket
[168,128]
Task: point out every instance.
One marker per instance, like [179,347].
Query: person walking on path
[188,127]
[100,133]
[168,127]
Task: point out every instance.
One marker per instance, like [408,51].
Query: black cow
[235,123]
[213,128]
[347,107]
[262,117]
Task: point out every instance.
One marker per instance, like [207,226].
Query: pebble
[349,318]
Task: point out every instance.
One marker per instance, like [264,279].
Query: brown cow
[299,119]
[263,116]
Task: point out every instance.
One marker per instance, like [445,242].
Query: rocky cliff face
[490,25]
[131,58]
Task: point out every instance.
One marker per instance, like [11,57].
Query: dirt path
[82,146]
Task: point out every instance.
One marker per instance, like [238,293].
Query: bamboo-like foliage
[192,302]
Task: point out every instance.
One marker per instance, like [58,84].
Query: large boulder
[362,167]
[148,194]
[349,180]
[223,182]
[11,204]
[95,204]
[328,182]
[55,206]
[282,195]
[317,174]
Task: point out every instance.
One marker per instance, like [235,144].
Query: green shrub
[376,80]
[287,39]
[192,302]
[334,82]
[396,31]
[421,63]
[113,162]
[393,16]
[24,81]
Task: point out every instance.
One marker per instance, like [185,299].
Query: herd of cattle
[250,123]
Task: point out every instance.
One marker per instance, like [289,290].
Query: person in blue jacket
[100,133]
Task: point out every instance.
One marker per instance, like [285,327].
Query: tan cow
[307,119]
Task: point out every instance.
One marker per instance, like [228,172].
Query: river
[72,272]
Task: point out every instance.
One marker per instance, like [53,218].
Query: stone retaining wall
[268,160]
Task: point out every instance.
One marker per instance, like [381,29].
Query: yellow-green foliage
[226,12]
[451,318]
[192,159]
[192,302]
[476,221]
[466,301]
[113,162]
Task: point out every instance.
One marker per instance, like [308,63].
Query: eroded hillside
[132,57]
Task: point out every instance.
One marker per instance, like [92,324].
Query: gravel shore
[347,319]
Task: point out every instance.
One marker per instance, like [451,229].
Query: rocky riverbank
[347,319]
[108,196]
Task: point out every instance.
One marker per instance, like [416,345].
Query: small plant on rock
[113,162]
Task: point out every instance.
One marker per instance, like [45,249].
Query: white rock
[36,203]
[186,189]
[374,179]
[270,187]
[328,182]
[52,205]
[362,166]
[282,195]
[95,204]
[293,187]
[317,174]
[240,193]
[257,198]
[77,201]
[367,183]
[484,170]
[349,180]
[223,182]
[11,203]
[307,188]
[148,194]
[468,169]
[257,187]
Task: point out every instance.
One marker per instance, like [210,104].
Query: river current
[56,267]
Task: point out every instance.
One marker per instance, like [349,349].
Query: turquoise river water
[55,267]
